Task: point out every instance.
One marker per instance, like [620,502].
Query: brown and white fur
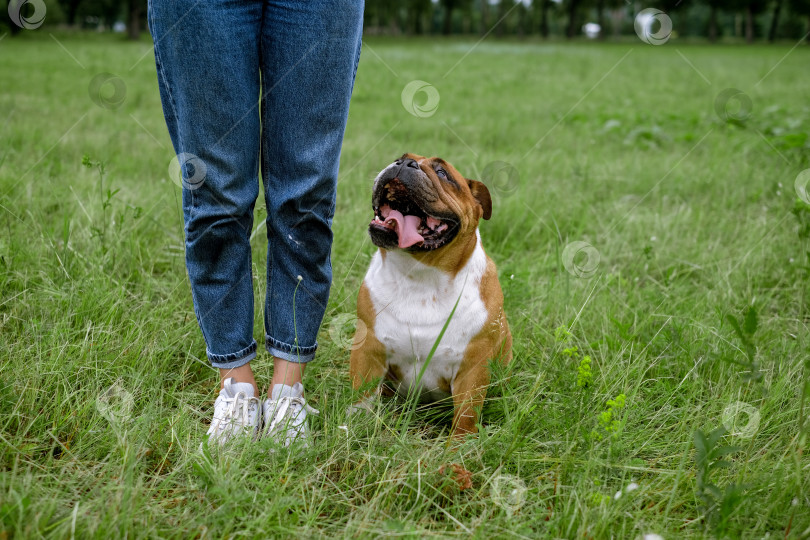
[408,293]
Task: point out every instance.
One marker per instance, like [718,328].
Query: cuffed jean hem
[234,360]
[290,353]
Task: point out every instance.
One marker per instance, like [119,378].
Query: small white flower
[512,276]
[652,536]
[344,428]
[653,238]
[617,496]
[300,278]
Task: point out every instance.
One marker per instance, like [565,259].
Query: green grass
[105,391]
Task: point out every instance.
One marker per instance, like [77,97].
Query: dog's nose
[408,162]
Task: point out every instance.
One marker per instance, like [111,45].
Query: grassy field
[685,310]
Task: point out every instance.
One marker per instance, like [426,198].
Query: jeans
[250,86]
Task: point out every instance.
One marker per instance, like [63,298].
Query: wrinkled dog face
[422,204]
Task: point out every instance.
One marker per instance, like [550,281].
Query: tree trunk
[521,21]
[807,41]
[134,22]
[415,14]
[544,18]
[484,17]
[501,23]
[571,31]
[616,19]
[600,18]
[712,23]
[749,24]
[449,5]
[72,8]
[774,21]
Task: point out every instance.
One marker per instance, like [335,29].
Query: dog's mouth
[400,221]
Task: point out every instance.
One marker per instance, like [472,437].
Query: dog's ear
[481,194]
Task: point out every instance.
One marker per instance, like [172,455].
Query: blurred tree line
[714,19]
[102,15]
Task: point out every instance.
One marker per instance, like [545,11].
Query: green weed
[718,504]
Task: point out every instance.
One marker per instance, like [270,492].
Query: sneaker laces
[239,408]
[289,404]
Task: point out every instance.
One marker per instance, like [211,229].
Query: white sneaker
[236,413]
[285,415]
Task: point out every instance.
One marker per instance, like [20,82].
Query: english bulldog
[430,263]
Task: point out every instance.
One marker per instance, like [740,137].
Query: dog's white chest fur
[412,302]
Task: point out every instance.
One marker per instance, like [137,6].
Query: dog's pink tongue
[406,228]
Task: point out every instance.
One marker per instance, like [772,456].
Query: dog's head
[423,204]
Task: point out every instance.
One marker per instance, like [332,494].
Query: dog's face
[424,204]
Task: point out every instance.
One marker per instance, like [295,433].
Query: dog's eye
[442,173]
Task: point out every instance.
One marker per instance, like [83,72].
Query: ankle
[241,374]
[285,372]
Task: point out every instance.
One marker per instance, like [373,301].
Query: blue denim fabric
[215,59]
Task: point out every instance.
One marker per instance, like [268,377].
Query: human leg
[207,60]
[309,55]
